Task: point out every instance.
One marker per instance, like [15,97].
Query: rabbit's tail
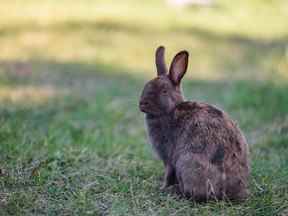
[198,179]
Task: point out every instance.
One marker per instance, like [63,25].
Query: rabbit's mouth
[144,108]
[149,107]
[149,111]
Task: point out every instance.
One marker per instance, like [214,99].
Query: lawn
[72,140]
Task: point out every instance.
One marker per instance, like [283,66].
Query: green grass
[72,139]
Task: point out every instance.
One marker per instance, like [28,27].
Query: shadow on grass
[96,83]
[86,79]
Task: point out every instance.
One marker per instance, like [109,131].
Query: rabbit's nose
[143,103]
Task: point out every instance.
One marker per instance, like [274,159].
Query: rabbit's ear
[160,61]
[178,67]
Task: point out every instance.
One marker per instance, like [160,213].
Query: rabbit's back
[206,134]
[204,129]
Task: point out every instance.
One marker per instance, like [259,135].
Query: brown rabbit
[203,150]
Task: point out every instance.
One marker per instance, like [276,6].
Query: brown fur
[203,150]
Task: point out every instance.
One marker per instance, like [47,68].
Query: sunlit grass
[27,94]
[231,39]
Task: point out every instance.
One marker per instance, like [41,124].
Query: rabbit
[204,152]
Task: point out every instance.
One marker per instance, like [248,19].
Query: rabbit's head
[161,94]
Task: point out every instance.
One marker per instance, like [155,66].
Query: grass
[72,138]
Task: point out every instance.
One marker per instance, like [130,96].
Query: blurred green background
[72,141]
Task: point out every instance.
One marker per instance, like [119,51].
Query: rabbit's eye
[164,91]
